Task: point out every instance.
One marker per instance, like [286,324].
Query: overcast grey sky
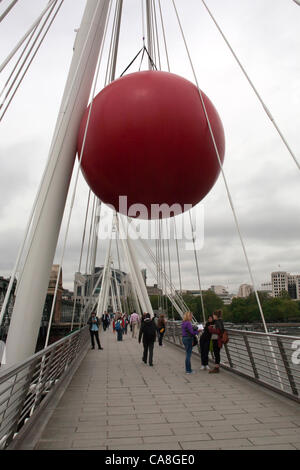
[262,177]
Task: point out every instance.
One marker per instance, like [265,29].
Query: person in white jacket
[134,322]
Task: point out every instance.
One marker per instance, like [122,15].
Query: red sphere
[148,139]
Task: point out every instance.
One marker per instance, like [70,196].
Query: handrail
[265,358]
[24,386]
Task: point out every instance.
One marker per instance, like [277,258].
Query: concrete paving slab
[115,401]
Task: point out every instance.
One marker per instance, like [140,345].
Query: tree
[275,309]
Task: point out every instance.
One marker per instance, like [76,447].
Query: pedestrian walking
[205,342]
[217,330]
[118,326]
[148,333]
[188,333]
[161,326]
[126,321]
[94,324]
[134,322]
[105,321]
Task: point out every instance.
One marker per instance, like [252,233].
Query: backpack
[118,325]
[225,337]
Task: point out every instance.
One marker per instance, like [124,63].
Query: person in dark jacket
[94,324]
[217,330]
[204,343]
[161,327]
[148,332]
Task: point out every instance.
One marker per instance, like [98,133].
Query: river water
[280,329]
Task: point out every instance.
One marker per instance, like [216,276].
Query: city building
[294,286]
[67,295]
[85,284]
[222,292]
[154,290]
[283,281]
[267,288]
[245,290]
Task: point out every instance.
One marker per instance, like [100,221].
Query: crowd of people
[147,329]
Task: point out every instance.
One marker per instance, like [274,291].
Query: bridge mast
[33,283]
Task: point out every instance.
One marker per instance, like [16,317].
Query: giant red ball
[148,139]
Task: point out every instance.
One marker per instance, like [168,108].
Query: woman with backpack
[217,330]
[118,326]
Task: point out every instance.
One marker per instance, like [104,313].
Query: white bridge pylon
[51,200]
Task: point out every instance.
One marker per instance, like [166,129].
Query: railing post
[174,332]
[287,367]
[256,375]
[228,356]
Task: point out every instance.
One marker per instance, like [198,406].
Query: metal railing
[24,387]
[267,359]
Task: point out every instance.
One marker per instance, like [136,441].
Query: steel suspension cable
[197,267]
[18,61]
[80,260]
[5,13]
[163,264]
[222,170]
[164,35]
[149,29]
[119,260]
[292,154]
[175,299]
[90,234]
[169,259]
[17,47]
[177,251]
[154,37]
[110,53]
[143,21]
[31,60]
[156,33]
[116,38]
[155,261]
[84,230]
[152,270]
[94,244]
[35,208]
[58,127]
[109,77]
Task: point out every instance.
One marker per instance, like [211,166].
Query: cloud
[262,177]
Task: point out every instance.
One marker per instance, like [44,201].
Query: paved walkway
[115,401]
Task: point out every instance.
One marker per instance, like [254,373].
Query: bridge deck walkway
[115,401]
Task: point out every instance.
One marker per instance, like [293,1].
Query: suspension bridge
[150,146]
